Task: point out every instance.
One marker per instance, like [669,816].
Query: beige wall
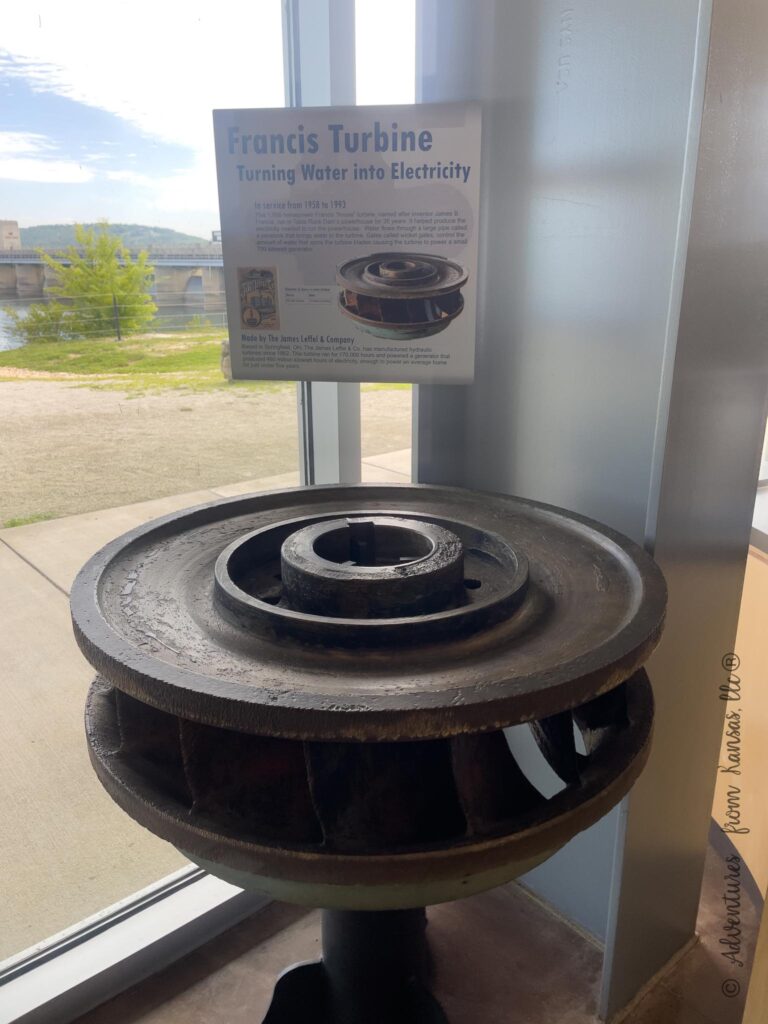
[747,744]
[749,752]
[756,1010]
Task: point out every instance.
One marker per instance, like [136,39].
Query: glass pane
[385,51]
[385,62]
[110,419]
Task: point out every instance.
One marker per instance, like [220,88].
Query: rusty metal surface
[306,688]
[576,610]
[369,567]
[350,814]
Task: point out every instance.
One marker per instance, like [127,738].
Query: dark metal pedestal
[374,970]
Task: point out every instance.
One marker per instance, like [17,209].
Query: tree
[100,291]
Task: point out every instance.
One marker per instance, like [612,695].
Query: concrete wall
[8,288]
[30,280]
[10,238]
[203,286]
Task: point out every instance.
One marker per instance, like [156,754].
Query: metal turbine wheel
[401,294]
[304,691]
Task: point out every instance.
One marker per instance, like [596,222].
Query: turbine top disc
[368,612]
[391,275]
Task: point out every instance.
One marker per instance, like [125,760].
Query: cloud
[188,188]
[28,156]
[62,172]
[195,186]
[160,66]
[23,143]
[132,177]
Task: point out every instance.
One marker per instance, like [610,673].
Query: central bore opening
[364,542]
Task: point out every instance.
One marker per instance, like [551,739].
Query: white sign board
[349,237]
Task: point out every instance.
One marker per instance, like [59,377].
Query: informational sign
[349,237]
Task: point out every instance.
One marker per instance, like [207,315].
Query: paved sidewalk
[67,850]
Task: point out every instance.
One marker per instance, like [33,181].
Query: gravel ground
[66,449]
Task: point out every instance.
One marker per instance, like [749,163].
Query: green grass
[187,361]
[39,517]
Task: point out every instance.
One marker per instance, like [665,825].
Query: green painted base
[395,896]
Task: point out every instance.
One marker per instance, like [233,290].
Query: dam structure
[186,281]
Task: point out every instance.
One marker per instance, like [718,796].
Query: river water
[171,318]
[6,341]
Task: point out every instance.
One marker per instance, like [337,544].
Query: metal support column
[375,968]
[621,366]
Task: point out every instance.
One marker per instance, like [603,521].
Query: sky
[105,107]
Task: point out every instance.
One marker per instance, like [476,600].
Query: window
[107,116]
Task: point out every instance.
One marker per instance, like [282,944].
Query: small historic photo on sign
[258,298]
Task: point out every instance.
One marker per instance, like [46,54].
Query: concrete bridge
[189,280]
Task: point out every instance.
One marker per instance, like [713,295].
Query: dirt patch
[67,449]
[18,373]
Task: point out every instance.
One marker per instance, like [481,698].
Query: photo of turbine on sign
[401,294]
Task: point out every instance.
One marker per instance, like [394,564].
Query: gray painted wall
[583,396]
[585,136]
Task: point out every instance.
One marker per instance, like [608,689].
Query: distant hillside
[135,236]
